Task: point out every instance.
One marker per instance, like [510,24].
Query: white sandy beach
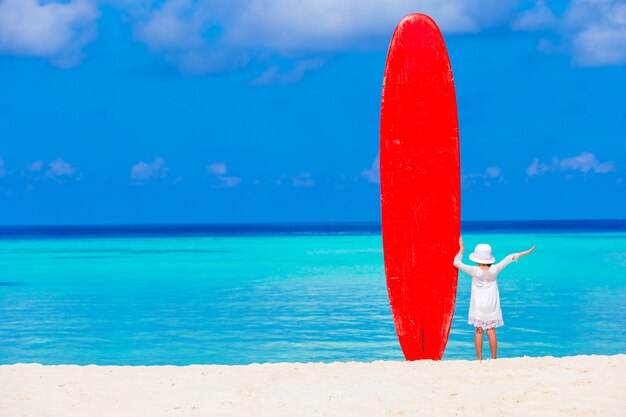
[572,386]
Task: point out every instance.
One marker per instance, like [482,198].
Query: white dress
[484,308]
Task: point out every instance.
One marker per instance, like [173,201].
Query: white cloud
[36,166]
[205,36]
[218,171]
[373,174]
[208,35]
[230,182]
[143,171]
[34,171]
[584,163]
[490,172]
[178,30]
[493,172]
[546,46]
[51,30]
[217,168]
[303,179]
[593,32]
[60,169]
[599,46]
[273,75]
[599,31]
[489,176]
[288,25]
[538,168]
[538,18]
[176,24]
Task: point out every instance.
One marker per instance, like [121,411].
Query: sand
[546,386]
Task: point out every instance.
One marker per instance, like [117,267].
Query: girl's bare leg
[478,341]
[493,342]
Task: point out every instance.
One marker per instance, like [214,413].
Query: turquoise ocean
[240,294]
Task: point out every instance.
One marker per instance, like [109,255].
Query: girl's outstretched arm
[458,259]
[512,257]
[526,252]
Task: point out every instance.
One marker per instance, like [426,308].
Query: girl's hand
[526,252]
[461,246]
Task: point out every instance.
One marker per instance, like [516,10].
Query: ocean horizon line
[295,228]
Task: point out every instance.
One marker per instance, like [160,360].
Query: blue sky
[127,111]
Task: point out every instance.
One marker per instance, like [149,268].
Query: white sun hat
[482,254]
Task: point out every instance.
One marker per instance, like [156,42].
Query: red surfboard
[420,186]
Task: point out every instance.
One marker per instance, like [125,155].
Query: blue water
[240,294]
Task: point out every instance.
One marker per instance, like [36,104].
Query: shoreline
[537,386]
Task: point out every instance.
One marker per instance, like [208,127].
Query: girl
[484,312]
